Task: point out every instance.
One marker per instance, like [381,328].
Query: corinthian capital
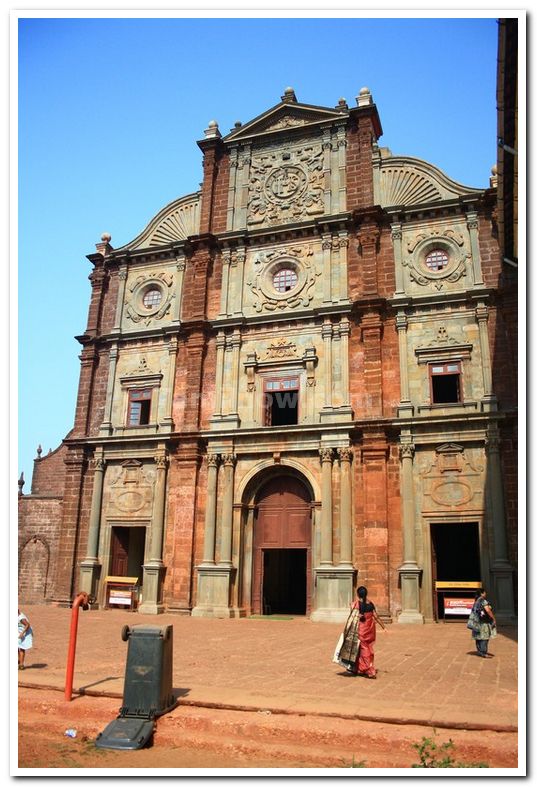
[345,454]
[406,451]
[326,454]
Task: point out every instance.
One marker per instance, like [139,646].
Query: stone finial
[21,484]
[289,96]
[342,104]
[39,451]
[104,246]
[364,97]
[494,177]
[212,131]
[238,124]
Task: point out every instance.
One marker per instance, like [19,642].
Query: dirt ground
[200,738]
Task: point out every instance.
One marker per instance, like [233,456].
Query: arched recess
[34,560]
[278,509]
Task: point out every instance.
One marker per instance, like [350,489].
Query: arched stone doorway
[282,547]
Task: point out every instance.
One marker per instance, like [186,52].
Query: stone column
[327,339]
[343,242]
[409,571]
[106,426]
[232,187]
[501,569]
[228,461]
[226,263]
[220,347]
[327,456]
[210,509]
[236,349]
[238,260]
[167,421]
[345,535]
[473,226]
[344,330]
[327,156]
[405,406]
[180,267]
[89,568]
[397,240]
[333,584]
[341,153]
[327,268]
[489,402]
[153,569]
[122,276]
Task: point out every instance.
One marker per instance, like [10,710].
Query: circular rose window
[152,298]
[285,280]
[437,260]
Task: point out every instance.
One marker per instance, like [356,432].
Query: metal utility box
[148,688]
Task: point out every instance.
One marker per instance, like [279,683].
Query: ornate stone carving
[418,246]
[286,190]
[281,348]
[161,462]
[229,460]
[98,464]
[266,265]
[326,454]
[406,451]
[135,308]
[345,454]
[452,481]
[212,460]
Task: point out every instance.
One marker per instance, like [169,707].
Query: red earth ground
[198,738]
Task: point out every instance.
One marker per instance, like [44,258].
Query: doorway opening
[456,567]
[128,547]
[284,581]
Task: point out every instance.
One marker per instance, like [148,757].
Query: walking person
[357,653]
[24,637]
[487,623]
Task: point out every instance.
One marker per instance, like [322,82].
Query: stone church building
[299,379]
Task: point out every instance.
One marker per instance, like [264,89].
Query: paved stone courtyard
[427,674]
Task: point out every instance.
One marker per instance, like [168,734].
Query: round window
[284,280]
[437,260]
[152,298]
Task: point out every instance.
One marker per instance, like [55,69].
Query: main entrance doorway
[456,567]
[282,548]
[128,545]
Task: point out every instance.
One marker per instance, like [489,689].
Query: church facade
[297,380]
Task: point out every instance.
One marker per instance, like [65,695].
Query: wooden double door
[282,548]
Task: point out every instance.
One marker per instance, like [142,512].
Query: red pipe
[81,599]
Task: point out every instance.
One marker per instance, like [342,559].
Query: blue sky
[109,111]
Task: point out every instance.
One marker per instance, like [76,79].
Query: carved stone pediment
[282,117]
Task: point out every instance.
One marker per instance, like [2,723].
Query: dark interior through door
[455,557]
[128,544]
[284,581]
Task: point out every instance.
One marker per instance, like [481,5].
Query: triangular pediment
[283,117]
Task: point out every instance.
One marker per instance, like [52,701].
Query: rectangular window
[281,401]
[445,383]
[139,410]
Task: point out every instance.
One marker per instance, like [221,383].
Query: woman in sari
[487,624]
[357,653]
